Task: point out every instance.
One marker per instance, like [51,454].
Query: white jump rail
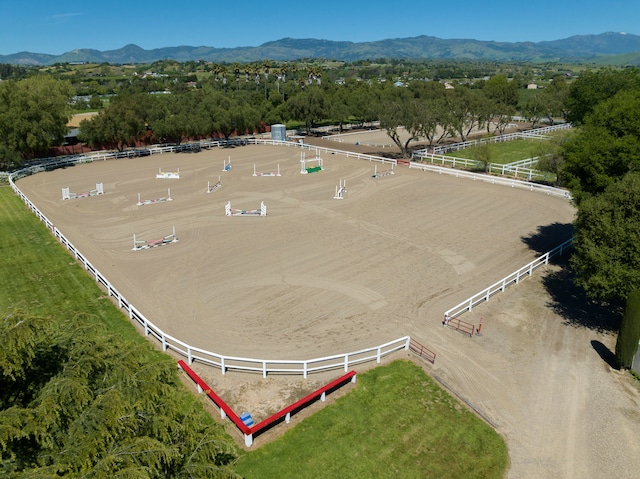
[513,278]
[225,363]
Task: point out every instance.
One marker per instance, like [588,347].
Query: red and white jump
[146,244]
[211,188]
[341,190]
[382,173]
[162,199]
[67,195]
[233,212]
[271,173]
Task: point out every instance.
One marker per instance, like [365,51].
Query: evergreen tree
[80,402]
[629,334]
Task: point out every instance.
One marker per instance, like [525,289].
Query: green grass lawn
[397,423]
[505,152]
[38,275]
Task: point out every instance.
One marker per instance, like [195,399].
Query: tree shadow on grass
[571,302]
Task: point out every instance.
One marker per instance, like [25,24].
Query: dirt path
[319,276]
[547,386]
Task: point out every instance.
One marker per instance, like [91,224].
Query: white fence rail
[225,363]
[537,134]
[513,278]
[268,366]
[527,162]
[509,169]
[512,182]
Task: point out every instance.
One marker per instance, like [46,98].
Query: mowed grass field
[37,275]
[396,423]
[505,152]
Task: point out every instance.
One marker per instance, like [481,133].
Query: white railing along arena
[266,366]
[513,278]
[225,363]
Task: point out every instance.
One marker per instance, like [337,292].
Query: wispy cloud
[64,17]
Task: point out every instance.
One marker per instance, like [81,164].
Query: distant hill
[605,48]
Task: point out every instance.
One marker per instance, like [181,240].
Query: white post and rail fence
[266,366]
[451,316]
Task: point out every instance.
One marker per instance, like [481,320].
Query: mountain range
[621,48]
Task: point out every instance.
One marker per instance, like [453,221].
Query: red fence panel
[460,325]
[256,429]
[215,398]
[419,350]
[303,402]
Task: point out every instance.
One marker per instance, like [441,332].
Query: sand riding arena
[312,278]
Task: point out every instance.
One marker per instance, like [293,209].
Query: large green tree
[606,148]
[607,254]
[121,124]
[308,106]
[602,165]
[76,401]
[174,118]
[501,90]
[607,241]
[398,110]
[33,117]
[465,111]
[592,88]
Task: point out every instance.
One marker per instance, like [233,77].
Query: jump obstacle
[272,173]
[226,165]
[211,188]
[157,200]
[304,160]
[146,244]
[168,174]
[66,195]
[232,212]
[382,173]
[341,190]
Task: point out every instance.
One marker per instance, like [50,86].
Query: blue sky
[55,27]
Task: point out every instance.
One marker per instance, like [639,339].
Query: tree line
[602,169]
[239,99]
